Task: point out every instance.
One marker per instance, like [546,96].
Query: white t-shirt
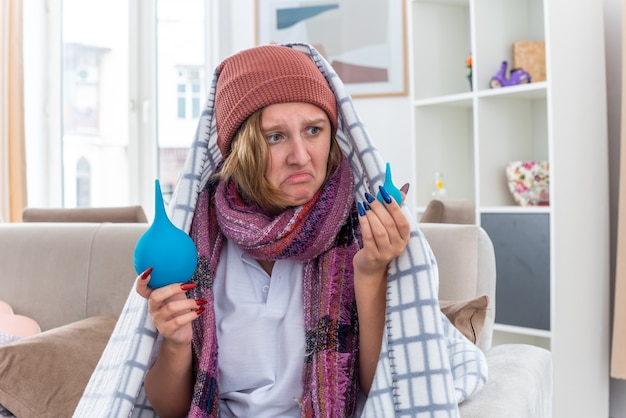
[260,336]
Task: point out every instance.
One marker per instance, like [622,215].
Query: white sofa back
[58,273]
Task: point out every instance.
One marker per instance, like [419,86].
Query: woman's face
[298,137]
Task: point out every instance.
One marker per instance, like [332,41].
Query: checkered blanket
[426,367]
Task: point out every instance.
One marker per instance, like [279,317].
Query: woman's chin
[299,199]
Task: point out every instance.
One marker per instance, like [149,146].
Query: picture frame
[363,40]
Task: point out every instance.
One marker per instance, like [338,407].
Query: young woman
[284,316]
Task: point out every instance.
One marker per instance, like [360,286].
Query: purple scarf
[324,235]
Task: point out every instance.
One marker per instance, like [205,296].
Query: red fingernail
[146,273]
[201,302]
[188,286]
[199,311]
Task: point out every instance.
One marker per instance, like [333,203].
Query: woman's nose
[299,154]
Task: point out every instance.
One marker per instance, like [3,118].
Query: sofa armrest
[467,267]
[519,384]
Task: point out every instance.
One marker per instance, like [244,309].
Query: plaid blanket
[426,367]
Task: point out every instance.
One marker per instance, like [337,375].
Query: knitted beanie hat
[262,76]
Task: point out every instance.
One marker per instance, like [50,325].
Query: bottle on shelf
[468,64]
[439,190]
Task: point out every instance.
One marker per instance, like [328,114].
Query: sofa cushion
[19,325]
[45,375]
[5,308]
[468,316]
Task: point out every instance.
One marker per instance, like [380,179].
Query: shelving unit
[552,262]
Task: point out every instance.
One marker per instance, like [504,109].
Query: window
[95,95]
[82,82]
[181,83]
[189,90]
[83,183]
[122,85]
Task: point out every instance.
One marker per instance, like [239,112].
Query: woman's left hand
[385,231]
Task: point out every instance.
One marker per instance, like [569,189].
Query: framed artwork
[364,40]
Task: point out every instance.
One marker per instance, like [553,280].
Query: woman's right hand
[171,311]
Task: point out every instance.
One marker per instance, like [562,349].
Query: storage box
[531,56]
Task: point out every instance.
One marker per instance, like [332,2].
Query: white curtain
[618,356]
[12,146]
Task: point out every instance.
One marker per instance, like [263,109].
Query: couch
[449,212]
[73,279]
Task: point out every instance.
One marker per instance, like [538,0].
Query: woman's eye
[314,130]
[272,138]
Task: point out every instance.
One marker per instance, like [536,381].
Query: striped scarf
[322,234]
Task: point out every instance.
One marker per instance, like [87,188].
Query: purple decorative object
[517,76]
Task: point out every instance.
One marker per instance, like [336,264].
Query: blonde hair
[247,162]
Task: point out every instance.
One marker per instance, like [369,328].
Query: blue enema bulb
[390,187]
[168,250]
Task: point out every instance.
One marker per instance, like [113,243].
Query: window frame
[43,90]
